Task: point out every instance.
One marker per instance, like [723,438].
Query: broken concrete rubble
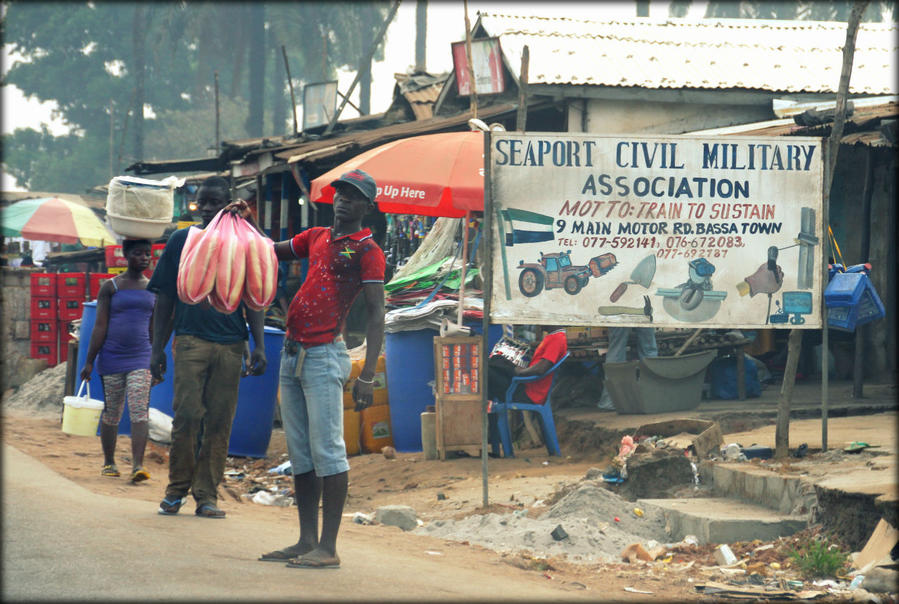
[402,516]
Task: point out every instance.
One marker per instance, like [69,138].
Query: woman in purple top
[121,338]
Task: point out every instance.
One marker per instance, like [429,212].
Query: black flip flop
[283,555]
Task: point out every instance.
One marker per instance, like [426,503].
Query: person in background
[208,351]
[344,260]
[550,351]
[618,336]
[120,342]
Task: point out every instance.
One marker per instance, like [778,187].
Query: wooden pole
[688,342]
[293,98]
[366,60]
[487,274]
[522,117]
[473,97]
[858,366]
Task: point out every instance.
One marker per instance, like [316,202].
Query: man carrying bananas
[344,260]
[208,352]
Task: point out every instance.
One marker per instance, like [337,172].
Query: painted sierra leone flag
[526,227]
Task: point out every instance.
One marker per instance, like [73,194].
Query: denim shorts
[312,408]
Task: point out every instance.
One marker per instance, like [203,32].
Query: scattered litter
[775,565]
[269,498]
[361,518]
[284,469]
[724,556]
[431,552]
[545,463]
[763,548]
[690,540]
[634,590]
[638,512]
[617,519]
[559,533]
[856,582]
[441,496]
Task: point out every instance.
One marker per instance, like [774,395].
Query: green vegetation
[817,557]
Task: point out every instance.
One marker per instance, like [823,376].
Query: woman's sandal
[139,474]
[110,470]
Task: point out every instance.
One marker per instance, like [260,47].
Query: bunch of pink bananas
[227,262]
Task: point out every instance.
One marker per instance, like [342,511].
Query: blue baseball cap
[362,181]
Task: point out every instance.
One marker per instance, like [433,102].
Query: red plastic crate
[115,258]
[70,308]
[71,285]
[43,330]
[96,282]
[43,284]
[43,308]
[44,350]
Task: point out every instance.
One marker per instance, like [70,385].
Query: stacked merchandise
[367,431]
[56,300]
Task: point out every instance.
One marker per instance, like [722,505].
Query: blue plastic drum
[252,428]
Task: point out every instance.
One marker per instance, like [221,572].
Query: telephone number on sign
[673,243]
[691,252]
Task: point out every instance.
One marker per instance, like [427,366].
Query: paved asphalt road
[63,542]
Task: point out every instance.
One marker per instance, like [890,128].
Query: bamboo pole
[365,61]
[473,96]
[293,98]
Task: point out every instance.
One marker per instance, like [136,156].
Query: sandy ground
[529,496]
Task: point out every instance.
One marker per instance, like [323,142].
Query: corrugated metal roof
[754,54]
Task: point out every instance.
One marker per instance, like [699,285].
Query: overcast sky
[446,24]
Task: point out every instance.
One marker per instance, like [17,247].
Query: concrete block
[720,520]
[775,485]
[754,489]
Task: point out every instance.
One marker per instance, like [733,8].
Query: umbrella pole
[464,265]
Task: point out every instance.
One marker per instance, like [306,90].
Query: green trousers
[207,377]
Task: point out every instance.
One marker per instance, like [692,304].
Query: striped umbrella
[55,219]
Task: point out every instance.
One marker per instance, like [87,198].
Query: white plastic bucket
[81,414]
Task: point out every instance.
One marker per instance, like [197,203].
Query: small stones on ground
[388,452]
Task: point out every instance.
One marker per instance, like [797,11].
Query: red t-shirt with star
[338,269]
[552,348]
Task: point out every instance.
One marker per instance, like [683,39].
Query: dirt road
[70,533]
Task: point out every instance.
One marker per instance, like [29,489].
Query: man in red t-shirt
[501,371]
[344,260]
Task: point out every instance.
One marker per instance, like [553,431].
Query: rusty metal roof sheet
[861,128]
[755,54]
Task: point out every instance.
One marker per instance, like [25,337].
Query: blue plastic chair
[545,412]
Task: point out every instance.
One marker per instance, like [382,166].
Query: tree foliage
[83,56]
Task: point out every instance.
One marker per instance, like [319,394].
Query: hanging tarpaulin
[674,231]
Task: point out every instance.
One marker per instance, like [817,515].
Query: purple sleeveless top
[127,346]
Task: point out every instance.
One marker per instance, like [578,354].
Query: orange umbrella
[429,175]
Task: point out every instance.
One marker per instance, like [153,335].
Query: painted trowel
[641,275]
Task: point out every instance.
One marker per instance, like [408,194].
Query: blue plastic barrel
[252,427]
[409,359]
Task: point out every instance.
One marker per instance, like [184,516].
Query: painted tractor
[553,270]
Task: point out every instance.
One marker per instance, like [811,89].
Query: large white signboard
[672,231]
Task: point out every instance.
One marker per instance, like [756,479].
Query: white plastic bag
[160,427]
